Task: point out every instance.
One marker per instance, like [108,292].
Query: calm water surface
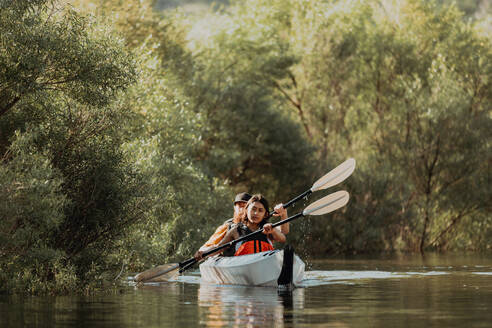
[396,291]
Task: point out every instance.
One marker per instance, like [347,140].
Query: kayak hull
[260,269]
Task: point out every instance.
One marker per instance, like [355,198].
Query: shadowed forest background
[126,128]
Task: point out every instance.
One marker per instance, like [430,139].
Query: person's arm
[276,234]
[213,241]
[281,212]
[231,235]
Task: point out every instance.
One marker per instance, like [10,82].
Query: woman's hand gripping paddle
[322,206]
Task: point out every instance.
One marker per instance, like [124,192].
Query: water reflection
[388,292]
[240,306]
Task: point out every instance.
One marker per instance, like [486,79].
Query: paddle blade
[335,176]
[160,273]
[327,204]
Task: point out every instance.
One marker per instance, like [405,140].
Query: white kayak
[261,269]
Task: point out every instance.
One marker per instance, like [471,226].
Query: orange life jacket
[255,244]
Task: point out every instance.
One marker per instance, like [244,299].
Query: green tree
[187,204]
[403,87]
[48,49]
[60,74]
[408,87]
[162,135]
[246,139]
[31,206]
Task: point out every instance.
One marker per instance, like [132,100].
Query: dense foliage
[125,131]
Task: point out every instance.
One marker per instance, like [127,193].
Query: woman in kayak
[240,202]
[256,217]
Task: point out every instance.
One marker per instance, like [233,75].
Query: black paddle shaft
[183,266]
[188,263]
[292,201]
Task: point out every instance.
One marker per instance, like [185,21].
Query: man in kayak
[256,217]
[240,202]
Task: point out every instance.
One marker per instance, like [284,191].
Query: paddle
[334,177]
[322,206]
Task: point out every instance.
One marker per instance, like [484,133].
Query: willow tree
[401,86]
[162,135]
[60,145]
[406,89]
[244,139]
[438,129]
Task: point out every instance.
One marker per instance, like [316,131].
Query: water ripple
[317,278]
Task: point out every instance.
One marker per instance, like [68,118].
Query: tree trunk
[426,223]
[8,106]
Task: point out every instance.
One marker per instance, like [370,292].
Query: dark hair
[264,202]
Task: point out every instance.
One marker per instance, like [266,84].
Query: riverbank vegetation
[126,130]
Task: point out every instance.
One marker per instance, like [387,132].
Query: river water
[384,291]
